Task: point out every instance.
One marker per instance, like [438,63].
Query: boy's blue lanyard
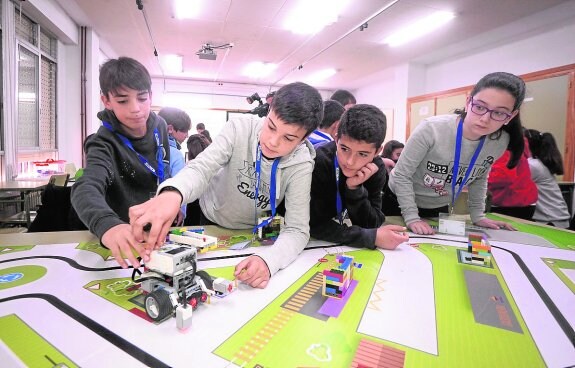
[272,189]
[159,152]
[323,135]
[458,140]
[338,204]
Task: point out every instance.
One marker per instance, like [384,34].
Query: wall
[519,57]
[391,87]
[207,102]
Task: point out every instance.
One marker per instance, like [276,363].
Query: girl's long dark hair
[516,87]
[544,147]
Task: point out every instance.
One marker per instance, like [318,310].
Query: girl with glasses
[449,152]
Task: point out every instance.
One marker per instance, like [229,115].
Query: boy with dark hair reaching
[126,159]
[332,111]
[349,176]
[250,167]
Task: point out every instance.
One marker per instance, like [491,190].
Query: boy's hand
[120,241]
[390,236]
[155,216]
[421,227]
[362,175]
[253,271]
[492,224]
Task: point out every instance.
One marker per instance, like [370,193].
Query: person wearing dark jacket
[351,165]
[127,158]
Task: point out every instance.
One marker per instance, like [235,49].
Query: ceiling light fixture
[172,63]
[257,69]
[186,9]
[310,17]
[320,75]
[419,28]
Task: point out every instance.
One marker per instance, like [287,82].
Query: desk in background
[567,189]
[68,302]
[29,198]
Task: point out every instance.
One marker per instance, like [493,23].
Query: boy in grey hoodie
[248,170]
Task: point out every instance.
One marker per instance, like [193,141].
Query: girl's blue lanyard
[159,152]
[458,140]
[323,135]
[338,205]
[272,189]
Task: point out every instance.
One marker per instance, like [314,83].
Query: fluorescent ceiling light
[419,28]
[186,9]
[172,63]
[309,17]
[320,75]
[257,69]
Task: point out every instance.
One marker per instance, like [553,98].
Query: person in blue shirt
[332,112]
[179,123]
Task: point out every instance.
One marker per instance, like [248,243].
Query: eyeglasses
[493,114]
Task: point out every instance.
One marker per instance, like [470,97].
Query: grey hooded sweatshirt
[423,174]
[223,178]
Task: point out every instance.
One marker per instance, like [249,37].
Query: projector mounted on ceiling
[208,52]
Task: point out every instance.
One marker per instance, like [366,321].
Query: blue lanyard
[272,189]
[159,152]
[323,135]
[458,139]
[338,204]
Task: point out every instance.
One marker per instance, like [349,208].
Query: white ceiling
[255,29]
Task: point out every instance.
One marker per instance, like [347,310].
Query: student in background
[512,190]
[125,160]
[179,124]
[466,143]
[390,155]
[197,143]
[251,166]
[546,162]
[348,176]
[392,151]
[201,129]
[345,98]
[332,111]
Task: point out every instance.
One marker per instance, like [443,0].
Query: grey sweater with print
[223,178]
[422,177]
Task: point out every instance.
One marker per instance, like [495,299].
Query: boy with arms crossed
[125,160]
[349,175]
[248,169]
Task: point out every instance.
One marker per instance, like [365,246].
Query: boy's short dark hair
[200,126]
[300,104]
[176,118]
[343,97]
[197,143]
[332,112]
[363,122]
[124,72]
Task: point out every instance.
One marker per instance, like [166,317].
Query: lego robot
[173,285]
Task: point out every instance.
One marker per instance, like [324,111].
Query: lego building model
[271,230]
[173,285]
[337,280]
[478,251]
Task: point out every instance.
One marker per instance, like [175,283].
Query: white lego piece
[184,317]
